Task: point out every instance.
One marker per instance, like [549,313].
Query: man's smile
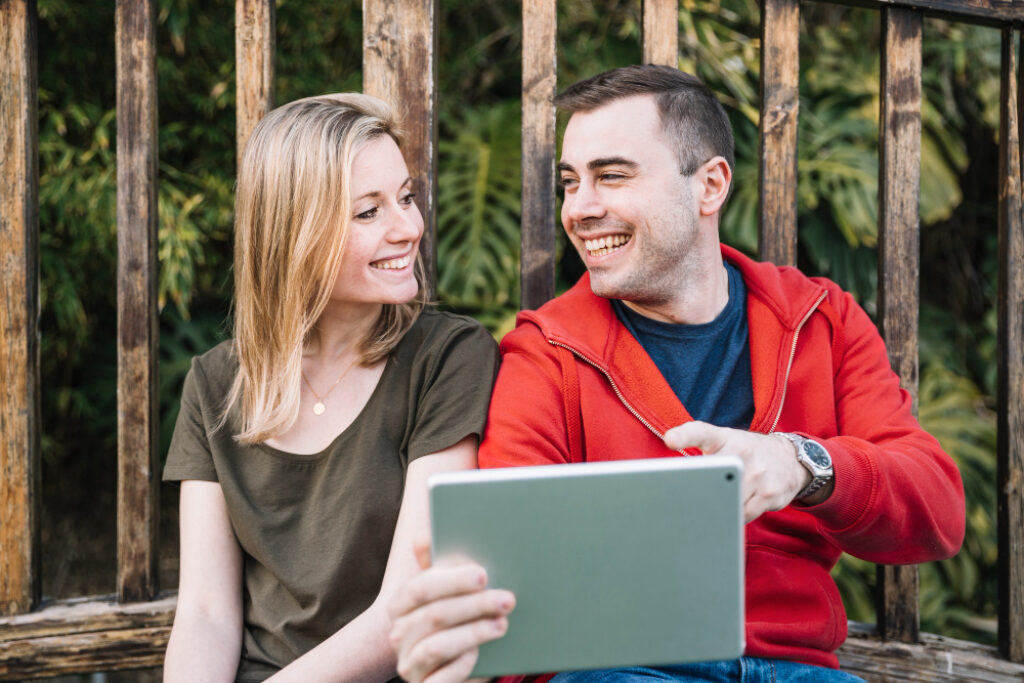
[602,246]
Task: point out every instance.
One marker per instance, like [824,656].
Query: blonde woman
[303,444]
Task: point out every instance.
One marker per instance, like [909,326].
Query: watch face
[817,454]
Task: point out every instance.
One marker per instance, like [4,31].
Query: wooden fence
[400,64]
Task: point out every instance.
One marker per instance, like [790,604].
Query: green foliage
[478,210]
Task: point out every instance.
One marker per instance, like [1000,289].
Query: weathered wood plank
[538,182]
[84,615]
[85,634]
[780,104]
[1010,393]
[118,650]
[254,66]
[986,12]
[935,659]
[19,312]
[400,67]
[899,175]
[660,32]
[138,509]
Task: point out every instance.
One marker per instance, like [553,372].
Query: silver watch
[815,458]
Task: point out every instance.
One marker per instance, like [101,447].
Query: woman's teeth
[605,245]
[393,264]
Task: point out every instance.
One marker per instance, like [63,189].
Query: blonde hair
[291,224]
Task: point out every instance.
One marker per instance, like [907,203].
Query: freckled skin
[385,224]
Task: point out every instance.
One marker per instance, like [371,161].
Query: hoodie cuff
[855,481]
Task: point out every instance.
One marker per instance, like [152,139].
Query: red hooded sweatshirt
[576,386]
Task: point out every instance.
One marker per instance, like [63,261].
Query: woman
[304,443]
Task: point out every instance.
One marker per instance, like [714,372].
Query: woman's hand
[442,615]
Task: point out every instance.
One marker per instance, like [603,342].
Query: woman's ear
[716,179]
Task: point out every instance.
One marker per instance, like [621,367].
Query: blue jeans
[743,670]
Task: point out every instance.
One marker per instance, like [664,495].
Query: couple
[303,444]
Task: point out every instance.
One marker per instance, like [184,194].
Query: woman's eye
[368,214]
[408,198]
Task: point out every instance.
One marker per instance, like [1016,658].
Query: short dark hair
[690,112]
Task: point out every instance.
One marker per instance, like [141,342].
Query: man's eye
[612,176]
[566,182]
[368,214]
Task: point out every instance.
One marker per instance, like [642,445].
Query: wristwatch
[815,458]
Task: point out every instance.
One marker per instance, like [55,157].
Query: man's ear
[716,179]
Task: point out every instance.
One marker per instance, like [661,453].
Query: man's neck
[693,305]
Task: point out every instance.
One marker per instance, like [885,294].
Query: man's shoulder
[577,316]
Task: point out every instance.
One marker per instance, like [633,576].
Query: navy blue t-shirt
[707,365]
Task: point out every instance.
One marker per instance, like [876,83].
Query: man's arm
[896,496]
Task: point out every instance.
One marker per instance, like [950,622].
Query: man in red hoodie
[673,342]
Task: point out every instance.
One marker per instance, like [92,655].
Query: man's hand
[772,475]
[442,616]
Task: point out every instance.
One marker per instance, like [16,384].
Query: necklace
[319,407]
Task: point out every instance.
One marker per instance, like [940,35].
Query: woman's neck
[340,331]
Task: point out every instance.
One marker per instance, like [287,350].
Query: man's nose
[582,204]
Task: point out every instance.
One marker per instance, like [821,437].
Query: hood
[586,320]
[779,300]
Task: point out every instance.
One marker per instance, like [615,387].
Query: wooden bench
[130,629]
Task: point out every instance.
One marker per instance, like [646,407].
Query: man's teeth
[605,245]
[393,264]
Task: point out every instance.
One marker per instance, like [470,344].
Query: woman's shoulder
[215,370]
[436,329]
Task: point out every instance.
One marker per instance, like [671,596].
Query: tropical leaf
[478,210]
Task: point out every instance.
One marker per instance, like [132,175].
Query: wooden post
[400,67]
[780,104]
[899,175]
[254,66]
[660,32]
[19,314]
[1010,439]
[540,57]
[137,444]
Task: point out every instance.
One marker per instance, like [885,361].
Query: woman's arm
[206,639]
[361,650]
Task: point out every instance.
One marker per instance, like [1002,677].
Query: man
[674,342]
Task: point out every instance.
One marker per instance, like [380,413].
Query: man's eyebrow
[594,164]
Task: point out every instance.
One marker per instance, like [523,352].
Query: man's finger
[694,434]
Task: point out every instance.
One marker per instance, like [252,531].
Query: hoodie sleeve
[898,496]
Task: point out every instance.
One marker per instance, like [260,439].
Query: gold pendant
[319,408]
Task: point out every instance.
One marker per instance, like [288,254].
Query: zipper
[615,387]
[792,355]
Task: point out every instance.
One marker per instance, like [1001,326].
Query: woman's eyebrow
[377,193]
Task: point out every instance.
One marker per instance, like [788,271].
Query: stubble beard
[657,271]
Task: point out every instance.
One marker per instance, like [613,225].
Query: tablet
[613,564]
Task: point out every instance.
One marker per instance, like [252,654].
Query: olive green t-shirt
[315,530]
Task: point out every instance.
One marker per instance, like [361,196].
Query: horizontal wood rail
[78,636]
[130,630]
